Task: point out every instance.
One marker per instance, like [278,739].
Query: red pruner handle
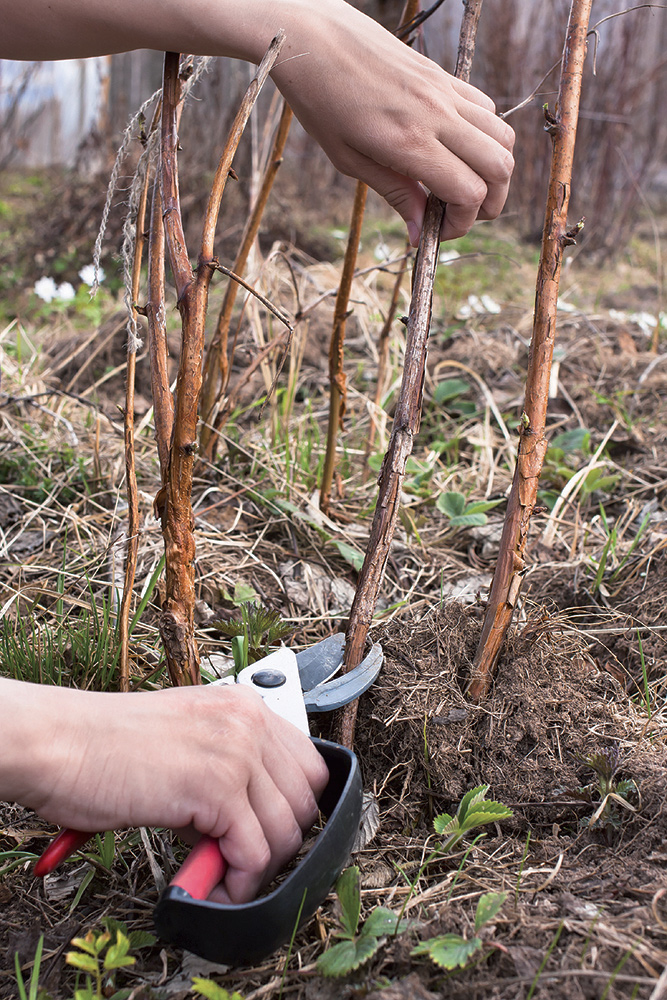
[64,844]
[201,871]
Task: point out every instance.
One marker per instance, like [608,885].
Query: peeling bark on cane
[176,427]
[562,127]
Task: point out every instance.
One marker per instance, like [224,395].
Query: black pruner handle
[246,934]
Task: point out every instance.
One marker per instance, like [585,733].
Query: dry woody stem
[532,442]
[383,357]
[176,423]
[216,367]
[337,381]
[130,469]
[407,415]
[337,384]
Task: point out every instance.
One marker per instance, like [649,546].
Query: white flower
[477,306]
[87,275]
[447,256]
[45,289]
[381,251]
[65,292]
[490,304]
[646,322]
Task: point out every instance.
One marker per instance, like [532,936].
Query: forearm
[67,29]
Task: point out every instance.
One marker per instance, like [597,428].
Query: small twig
[533,94]
[213,385]
[337,385]
[415,22]
[253,291]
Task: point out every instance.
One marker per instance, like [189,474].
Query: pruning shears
[292,685]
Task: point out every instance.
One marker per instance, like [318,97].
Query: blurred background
[63,121]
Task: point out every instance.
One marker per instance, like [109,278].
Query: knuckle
[293,840]
[258,855]
[504,168]
[472,192]
[306,809]
[507,136]
[455,231]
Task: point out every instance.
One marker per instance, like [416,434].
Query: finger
[280,825]
[486,157]
[454,183]
[266,833]
[493,204]
[472,94]
[490,159]
[284,775]
[458,220]
[299,749]
[248,855]
[487,124]
[404,194]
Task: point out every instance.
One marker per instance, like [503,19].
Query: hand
[381,112]
[214,759]
[394,119]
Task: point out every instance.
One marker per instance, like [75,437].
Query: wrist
[29,749]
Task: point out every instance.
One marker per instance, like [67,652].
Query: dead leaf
[626,344]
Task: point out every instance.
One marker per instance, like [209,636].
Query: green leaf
[19,977]
[85,882]
[117,954]
[450,389]
[479,506]
[243,592]
[576,440]
[141,939]
[349,896]
[82,961]
[350,555]
[442,822]
[471,798]
[489,904]
[626,787]
[468,520]
[414,466]
[86,993]
[485,812]
[137,939]
[383,921]
[451,504]
[600,482]
[448,951]
[213,991]
[107,848]
[92,943]
[346,956]
[240,652]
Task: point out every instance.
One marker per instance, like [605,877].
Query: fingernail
[413,234]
